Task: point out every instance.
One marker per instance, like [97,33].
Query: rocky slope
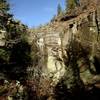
[54,38]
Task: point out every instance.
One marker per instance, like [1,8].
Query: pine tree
[59,10]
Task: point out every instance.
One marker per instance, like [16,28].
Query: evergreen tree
[59,9]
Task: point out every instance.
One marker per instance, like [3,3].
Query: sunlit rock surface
[57,35]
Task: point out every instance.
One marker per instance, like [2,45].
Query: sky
[34,12]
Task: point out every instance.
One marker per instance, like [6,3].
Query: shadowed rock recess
[64,61]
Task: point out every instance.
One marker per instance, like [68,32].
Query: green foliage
[59,9]
[15,55]
[4,56]
[15,29]
[20,53]
[71,4]
[4,5]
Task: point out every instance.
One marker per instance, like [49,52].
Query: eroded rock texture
[70,47]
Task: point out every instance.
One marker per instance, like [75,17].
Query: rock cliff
[57,36]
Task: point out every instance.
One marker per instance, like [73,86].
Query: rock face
[2,30]
[2,37]
[57,36]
